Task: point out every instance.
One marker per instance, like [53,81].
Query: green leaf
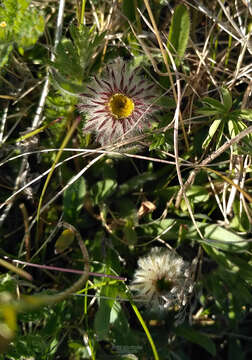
[179,33]
[30,26]
[227,99]
[8,283]
[128,9]
[68,86]
[221,238]
[235,127]
[68,59]
[126,208]
[214,235]
[102,320]
[246,114]
[212,130]
[24,25]
[29,344]
[245,267]
[72,63]
[235,350]
[197,338]
[135,182]
[105,316]
[5,50]
[115,310]
[240,220]
[85,42]
[220,257]
[73,200]
[130,234]
[102,190]
[64,241]
[8,320]
[198,193]
[78,351]
[214,104]
[207,112]
[235,265]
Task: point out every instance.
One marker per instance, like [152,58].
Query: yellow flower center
[121,106]
[3,24]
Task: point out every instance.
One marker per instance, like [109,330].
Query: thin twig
[36,301]
[176,153]
[164,55]
[220,23]
[27,233]
[217,198]
[2,127]
[75,178]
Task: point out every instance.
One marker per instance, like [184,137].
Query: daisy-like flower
[118,105]
[162,279]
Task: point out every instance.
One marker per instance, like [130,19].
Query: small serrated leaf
[23,26]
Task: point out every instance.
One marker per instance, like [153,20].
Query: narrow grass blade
[141,320]
[64,143]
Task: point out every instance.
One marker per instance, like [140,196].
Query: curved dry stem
[33,302]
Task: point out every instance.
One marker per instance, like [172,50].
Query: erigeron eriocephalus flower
[118,105]
[162,280]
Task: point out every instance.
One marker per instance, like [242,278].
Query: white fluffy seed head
[162,279]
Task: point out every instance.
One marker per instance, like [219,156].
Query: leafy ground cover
[125,179]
